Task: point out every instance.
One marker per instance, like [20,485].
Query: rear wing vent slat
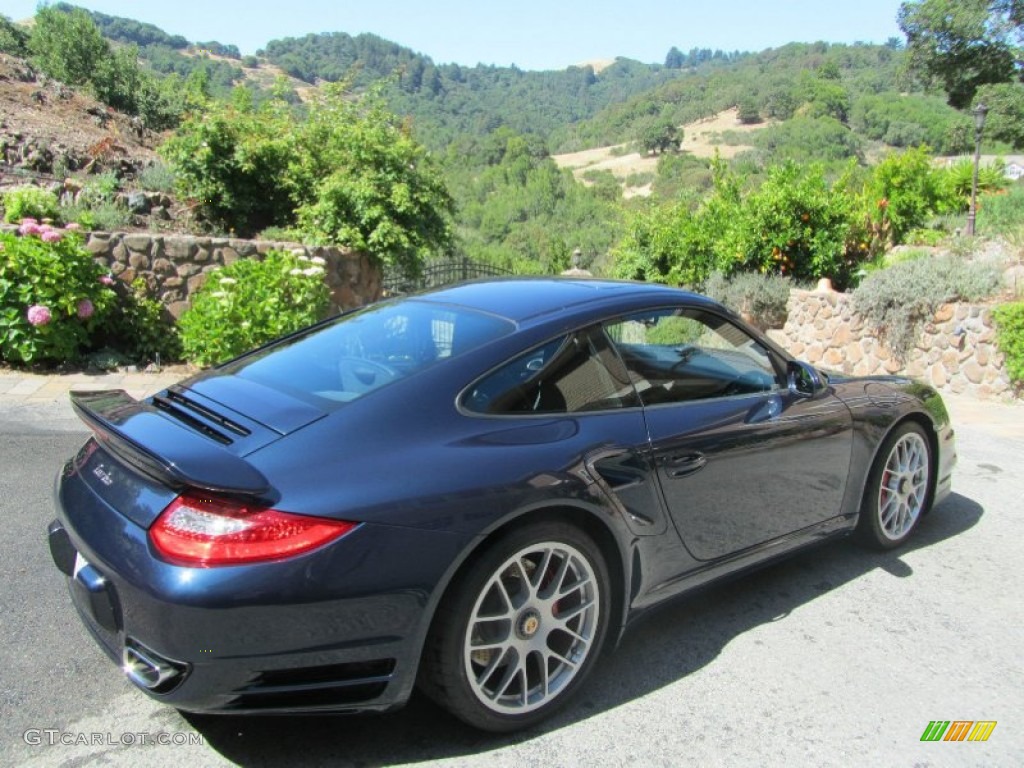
[176,396]
[168,407]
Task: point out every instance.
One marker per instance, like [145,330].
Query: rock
[138,202]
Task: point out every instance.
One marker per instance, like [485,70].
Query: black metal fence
[438,272]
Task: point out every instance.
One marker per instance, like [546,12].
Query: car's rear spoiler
[137,433]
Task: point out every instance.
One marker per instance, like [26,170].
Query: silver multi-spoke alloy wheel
[532,627]
[904,486]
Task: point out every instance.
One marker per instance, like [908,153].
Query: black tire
[898,491]
[535,607]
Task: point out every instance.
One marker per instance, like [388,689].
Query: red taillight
[210,532]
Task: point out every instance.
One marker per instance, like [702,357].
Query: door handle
[686,464]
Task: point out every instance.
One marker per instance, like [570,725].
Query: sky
[532,34]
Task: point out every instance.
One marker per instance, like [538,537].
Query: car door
[741,459]
[575,389]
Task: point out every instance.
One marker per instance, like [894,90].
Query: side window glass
[571,374]
[675,356]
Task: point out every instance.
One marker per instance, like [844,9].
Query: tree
[1006,112]
[67,46]
[13,38]
[348,174]
[364,182]
[964,44]
[748,111]
[674,59]
[660,135]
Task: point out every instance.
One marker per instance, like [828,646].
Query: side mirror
[804,380]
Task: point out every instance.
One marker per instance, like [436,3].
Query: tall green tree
[67,45]
[964,44]
[347,174]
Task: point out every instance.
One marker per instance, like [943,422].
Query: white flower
[312,271]
[296,271]
[303,257]
[219,294]
[319,260]
[228,281]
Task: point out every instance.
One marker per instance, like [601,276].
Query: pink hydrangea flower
[85,309]
[39,315]
[51,236]
[107,280]
[72,226]
[29,228]
[29,220]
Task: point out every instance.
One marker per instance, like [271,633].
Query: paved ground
[836,657]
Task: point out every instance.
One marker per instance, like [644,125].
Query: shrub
[761,298]
[927,237]
[280,234]
[249,303]
[1001,213]
[797,224]
[157,177]
[1010,336]
[29,203]
[52,295]
[139,328]
[905,191]
[897,300]
[102,216]
[349,173]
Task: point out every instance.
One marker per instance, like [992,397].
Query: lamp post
[979,113]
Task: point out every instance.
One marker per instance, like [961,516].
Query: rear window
[368,349]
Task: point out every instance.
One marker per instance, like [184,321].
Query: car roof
[524,299]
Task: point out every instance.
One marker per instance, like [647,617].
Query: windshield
[368,349]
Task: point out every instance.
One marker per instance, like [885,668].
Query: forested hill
[836,94]
[448,99]
[825,99]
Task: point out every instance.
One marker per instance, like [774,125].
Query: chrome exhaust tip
[149,670]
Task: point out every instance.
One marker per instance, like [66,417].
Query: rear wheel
[521,630]
[897,493]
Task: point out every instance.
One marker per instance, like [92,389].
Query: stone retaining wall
[173,266]
[956,351]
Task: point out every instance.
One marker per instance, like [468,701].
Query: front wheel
[521,630]
[898,489]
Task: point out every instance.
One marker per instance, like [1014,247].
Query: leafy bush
[761,298]
[280,234]
[680,245]
[348,174]
[157,177]
[897,300]
[96,207]
[139,328]
[100,216]
[797,224]
[1001,213]
[1010,335]
[13,38]
[905,191]
[249,303]
[928,237]
[52,295]
[808,139]
[29,203]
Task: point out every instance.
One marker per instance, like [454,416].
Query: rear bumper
[337,630]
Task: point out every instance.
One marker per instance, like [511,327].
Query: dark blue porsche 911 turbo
[472,490]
